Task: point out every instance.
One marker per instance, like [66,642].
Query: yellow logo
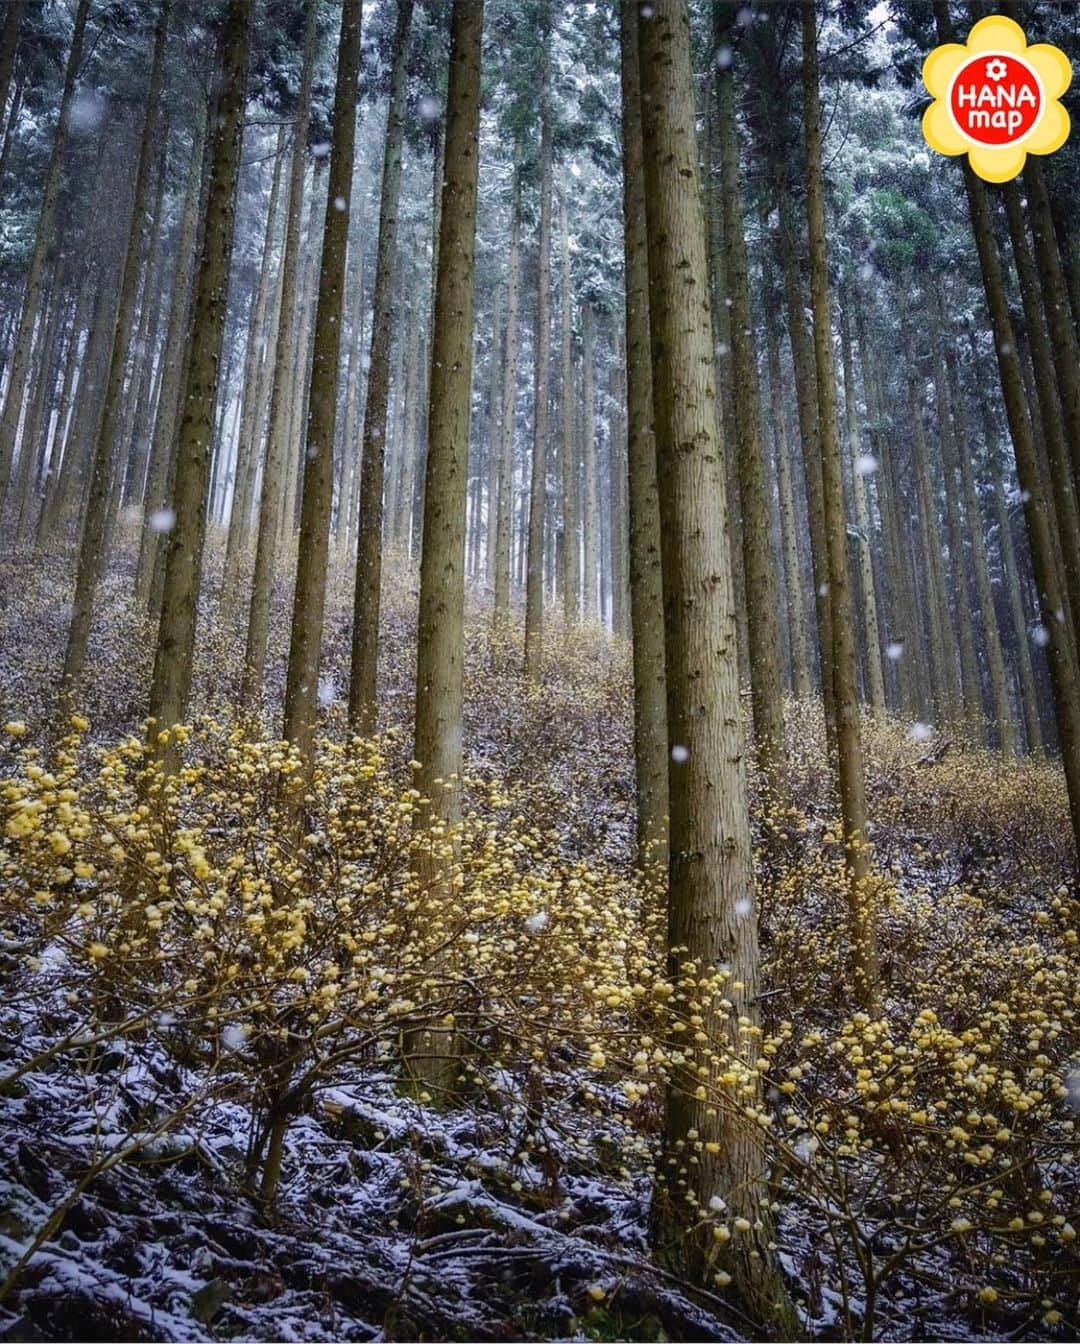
[996,99]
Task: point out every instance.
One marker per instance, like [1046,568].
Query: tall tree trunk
[1059,649]
[171,684]
[620,538]
[871,633]
[762,623]
[366,602]
[590,518]
[711,871]
[1003,720]
[9,45]
[1029,696]
[133,450]
[272,492]
[963,599]
[903,643]
[534,568]
[349,500]
[802,358]
[44,237]
[567,448]
[309,597]
[646,577]
[793,584]
[504,501]
[249,439]
[720,293]
[939,644]
[173,357]
[494,433]
[440,635]
[862,912]
[74,370]
[91,560]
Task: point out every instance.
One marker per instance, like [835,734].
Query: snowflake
[996,69]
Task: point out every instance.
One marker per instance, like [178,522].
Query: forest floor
[125,1204]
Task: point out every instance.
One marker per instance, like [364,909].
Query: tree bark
[590,518]
[366,601]
[272,492]
[171,685]
[159,470]
[504,501]
[762,624]
[802,358]
[249,437]
[646,577]
[534,567]
[793,583]
[317,499]
[862,912]
[439,687]
[871,633]
[1003,720]
[711,871]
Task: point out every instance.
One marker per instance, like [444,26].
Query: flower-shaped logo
[996,99]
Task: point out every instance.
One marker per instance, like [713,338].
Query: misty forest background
[539,608]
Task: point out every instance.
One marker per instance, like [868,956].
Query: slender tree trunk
[1003,720]
[249,439]
[793,585]
[366,603]
[762,623]
[1029,697]
[10,127]
[904,649]
[74,370]
[349,501]
[568,458]
[174,355]
[590,520]
[620,538]
[9,45]
[939,644]
[646,577]
[439,685]
[309,598]
[91,551]
[44,237]
[862,912]
[802,358]
[720,294]
[300,384]
[494,434]
[534,568]
[871,634]
[963,599]
[171,684]
[711,872]
[504,501]
[272,493]
[133,453]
